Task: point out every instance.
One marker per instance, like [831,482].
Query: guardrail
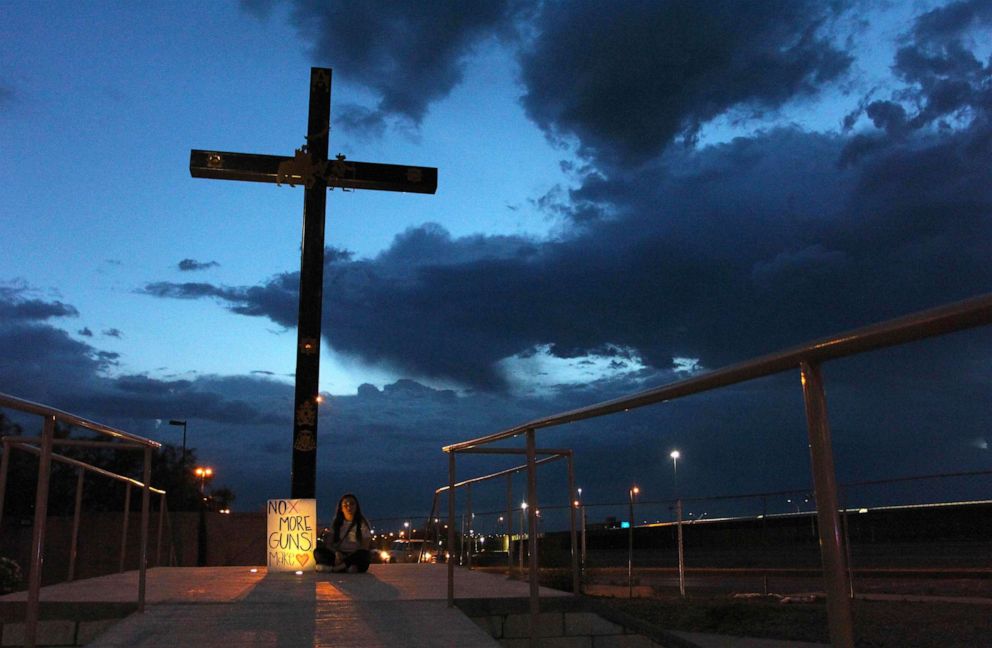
[42,446]
[807,358]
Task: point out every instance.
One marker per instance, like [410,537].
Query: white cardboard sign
[291,534]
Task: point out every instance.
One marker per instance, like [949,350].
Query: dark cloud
[85,332]
[409,54]
[16,305]
[944,83]
[190,265]
[718,254]
[43,363]
[628,79]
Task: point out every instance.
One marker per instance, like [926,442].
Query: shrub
[10,575]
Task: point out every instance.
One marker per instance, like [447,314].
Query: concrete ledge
[549,624]
[589,623]
[50,633]
[16,611]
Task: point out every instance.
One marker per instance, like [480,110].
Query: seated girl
[347,548]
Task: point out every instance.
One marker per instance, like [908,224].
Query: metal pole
[127,512]
[76,514]
[535,605]
[161,525]
[38,532]
[630,546]
[678,510]
[764,538]
[572,505]
[468,514]
[451,529]
[839,613]
[172,534]
[847,542]
[583,535]
[145,514]
[509,524]
[520,545]
[4,467]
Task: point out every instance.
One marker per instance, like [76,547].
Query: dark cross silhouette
[311,168]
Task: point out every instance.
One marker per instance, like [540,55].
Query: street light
[204,473]
[582,518]
[632,493]
[675,465]
[181,422]
[523,512]
[675,454]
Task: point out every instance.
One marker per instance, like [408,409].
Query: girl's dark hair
[358,519]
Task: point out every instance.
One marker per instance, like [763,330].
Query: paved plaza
[392,605]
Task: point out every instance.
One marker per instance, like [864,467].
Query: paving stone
[549,624]
[622,641]
[493,625]
[50,633]
[90,630]
[588,623]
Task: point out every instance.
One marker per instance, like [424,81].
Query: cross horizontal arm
[346,174]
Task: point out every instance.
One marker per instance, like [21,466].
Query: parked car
[409,551]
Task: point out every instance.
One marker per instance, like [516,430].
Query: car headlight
[384,555]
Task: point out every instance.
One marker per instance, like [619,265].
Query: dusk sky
[628,193]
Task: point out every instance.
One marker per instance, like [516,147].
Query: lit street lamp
[582,518]
[675,466]
[675,454]
[523,512]
[204,473]
[632,493]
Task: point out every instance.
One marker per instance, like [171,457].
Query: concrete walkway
[392,605]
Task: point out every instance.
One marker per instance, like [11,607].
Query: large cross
[311,168]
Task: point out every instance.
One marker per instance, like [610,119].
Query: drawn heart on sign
[302,559]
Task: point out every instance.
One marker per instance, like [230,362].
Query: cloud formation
[627,80]
[409,55]
[191,265]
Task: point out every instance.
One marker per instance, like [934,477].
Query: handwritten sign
[291,534]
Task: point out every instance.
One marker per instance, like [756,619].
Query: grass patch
[878,624]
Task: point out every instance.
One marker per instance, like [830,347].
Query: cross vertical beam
[311,293]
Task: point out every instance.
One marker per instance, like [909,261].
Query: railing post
[451,529]
[161,524]
[4,467]
[509,524]
[145,514]
[535,605]
[76,514]
[127,511]
[839,614]
[470,518]
[38,532]
[573,503]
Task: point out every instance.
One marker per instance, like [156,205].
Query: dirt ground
[878,624]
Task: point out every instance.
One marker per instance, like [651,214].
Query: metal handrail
[6,400]
[50,416]
[959,316]
[130,481]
